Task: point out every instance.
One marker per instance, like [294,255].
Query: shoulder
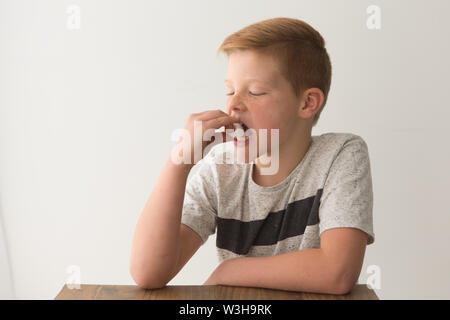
[335,152]
[339,139]
[349,156]
[336,143]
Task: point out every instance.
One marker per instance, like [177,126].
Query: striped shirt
[331,187]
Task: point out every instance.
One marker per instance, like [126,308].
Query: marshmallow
[238,125]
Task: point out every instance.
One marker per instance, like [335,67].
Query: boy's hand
[211,119]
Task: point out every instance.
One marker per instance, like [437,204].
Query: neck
[291,153]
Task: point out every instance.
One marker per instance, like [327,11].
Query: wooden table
[130,292]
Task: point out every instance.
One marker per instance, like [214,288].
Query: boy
[303,228]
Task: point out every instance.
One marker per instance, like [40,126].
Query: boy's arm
[157,253]
[334,268]
[154,251]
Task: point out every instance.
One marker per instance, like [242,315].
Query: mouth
[240,125]
[240,135]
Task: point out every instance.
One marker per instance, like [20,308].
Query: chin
[248,152]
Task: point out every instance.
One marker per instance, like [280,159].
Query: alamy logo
[374,20]
[73,21]
[374,280]
[73,281]
[181,153]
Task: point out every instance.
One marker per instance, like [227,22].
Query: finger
[210,114]
[218,122]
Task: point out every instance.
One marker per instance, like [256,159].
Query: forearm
[304,271]
[155,243]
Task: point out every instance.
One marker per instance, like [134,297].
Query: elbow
[147,281]
[149,284]
[343,284]
[343,288]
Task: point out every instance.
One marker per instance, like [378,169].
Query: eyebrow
[251,80]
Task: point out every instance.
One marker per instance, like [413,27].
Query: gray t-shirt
[330,188]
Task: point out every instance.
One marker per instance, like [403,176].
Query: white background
[86,118]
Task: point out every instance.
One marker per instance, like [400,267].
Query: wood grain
[130,292]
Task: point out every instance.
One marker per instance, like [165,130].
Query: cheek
[267,121]
[275,120]
[268,117]
[266,114]
[282,115]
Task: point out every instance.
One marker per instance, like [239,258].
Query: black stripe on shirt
[239,236]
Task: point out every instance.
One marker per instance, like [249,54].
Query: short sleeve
[347,196]
[199,205]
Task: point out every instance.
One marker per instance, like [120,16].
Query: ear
[311,103]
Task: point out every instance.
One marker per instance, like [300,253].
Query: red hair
[298,47]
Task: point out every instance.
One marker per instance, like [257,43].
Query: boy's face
[260,96]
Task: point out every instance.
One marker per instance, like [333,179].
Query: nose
[235,106]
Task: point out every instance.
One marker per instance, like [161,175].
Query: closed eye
[253,94]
